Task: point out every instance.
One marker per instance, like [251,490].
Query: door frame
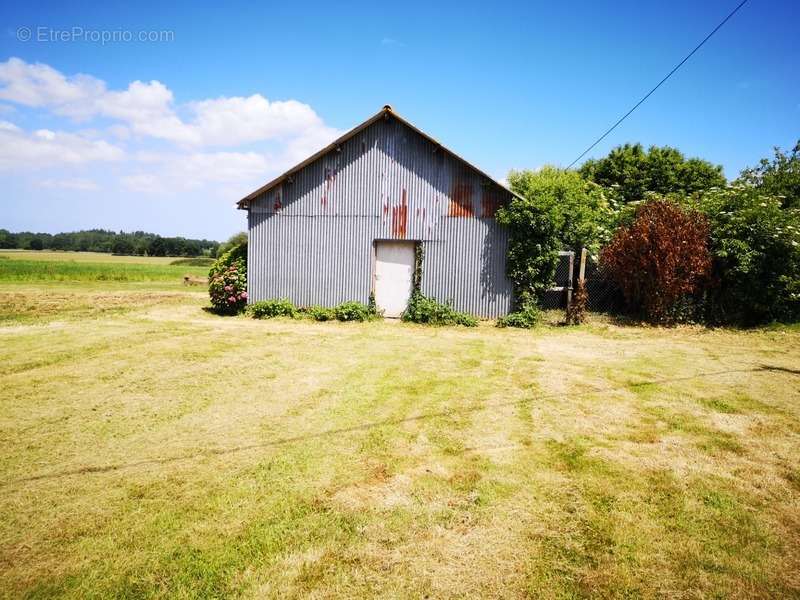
[374,261]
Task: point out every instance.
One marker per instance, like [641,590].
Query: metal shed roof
[385,112]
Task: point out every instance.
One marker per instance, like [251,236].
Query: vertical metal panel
[311,238]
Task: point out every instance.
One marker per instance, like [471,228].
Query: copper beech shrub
[660,259]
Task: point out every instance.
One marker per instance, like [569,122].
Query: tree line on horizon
[136,243]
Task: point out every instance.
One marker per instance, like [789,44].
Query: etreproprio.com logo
[43,34]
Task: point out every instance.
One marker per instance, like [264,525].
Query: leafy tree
[532,247]
[581,209]
[237,239]
[8,239]
[122,246]
[756,250]
[100,240]
[60,241]
[635,171]
[157,247]
[779,177]
[36,244]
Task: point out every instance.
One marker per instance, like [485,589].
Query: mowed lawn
[154,449]
[38,285]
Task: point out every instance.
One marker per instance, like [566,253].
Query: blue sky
[165,136]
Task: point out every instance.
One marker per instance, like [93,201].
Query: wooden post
[582,268]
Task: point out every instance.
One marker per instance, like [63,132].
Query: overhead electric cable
[648,94]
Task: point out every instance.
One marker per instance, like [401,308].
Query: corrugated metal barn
[344,223]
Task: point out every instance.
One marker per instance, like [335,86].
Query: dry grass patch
[158,450]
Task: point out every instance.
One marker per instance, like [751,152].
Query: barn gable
[313,230]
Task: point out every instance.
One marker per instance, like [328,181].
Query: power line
[678,66]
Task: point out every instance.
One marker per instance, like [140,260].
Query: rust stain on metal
[330,179]
[400,218]
[490,202]
[277,205]
[461,201]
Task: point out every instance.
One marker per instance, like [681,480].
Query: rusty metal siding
[311,239]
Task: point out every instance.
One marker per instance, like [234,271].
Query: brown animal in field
[189,280]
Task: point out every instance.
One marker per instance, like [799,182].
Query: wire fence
[558,295]
[603,294]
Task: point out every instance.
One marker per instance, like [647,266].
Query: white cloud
[45,148]
[41,85]
[78,184]
[7,126]
[218,122]
[145,183]
[148,109]
[45,134]
[221,167]
[168,172]
[301,147]
[120,131]
[389,41]
[220,147]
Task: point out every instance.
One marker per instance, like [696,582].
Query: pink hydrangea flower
[244,295]
[232,299]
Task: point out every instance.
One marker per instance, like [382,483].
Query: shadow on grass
[629,320]
[386,422]
[778,369]
[218,313]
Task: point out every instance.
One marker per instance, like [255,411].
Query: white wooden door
[394,267]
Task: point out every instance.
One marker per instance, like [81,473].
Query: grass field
[156,450]
[36,286]
[32,266]
[84,257]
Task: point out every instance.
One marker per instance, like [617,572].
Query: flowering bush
[755,244]
[227,281]
[581,210]
[660,260]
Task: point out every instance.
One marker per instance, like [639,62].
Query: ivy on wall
[419,255]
